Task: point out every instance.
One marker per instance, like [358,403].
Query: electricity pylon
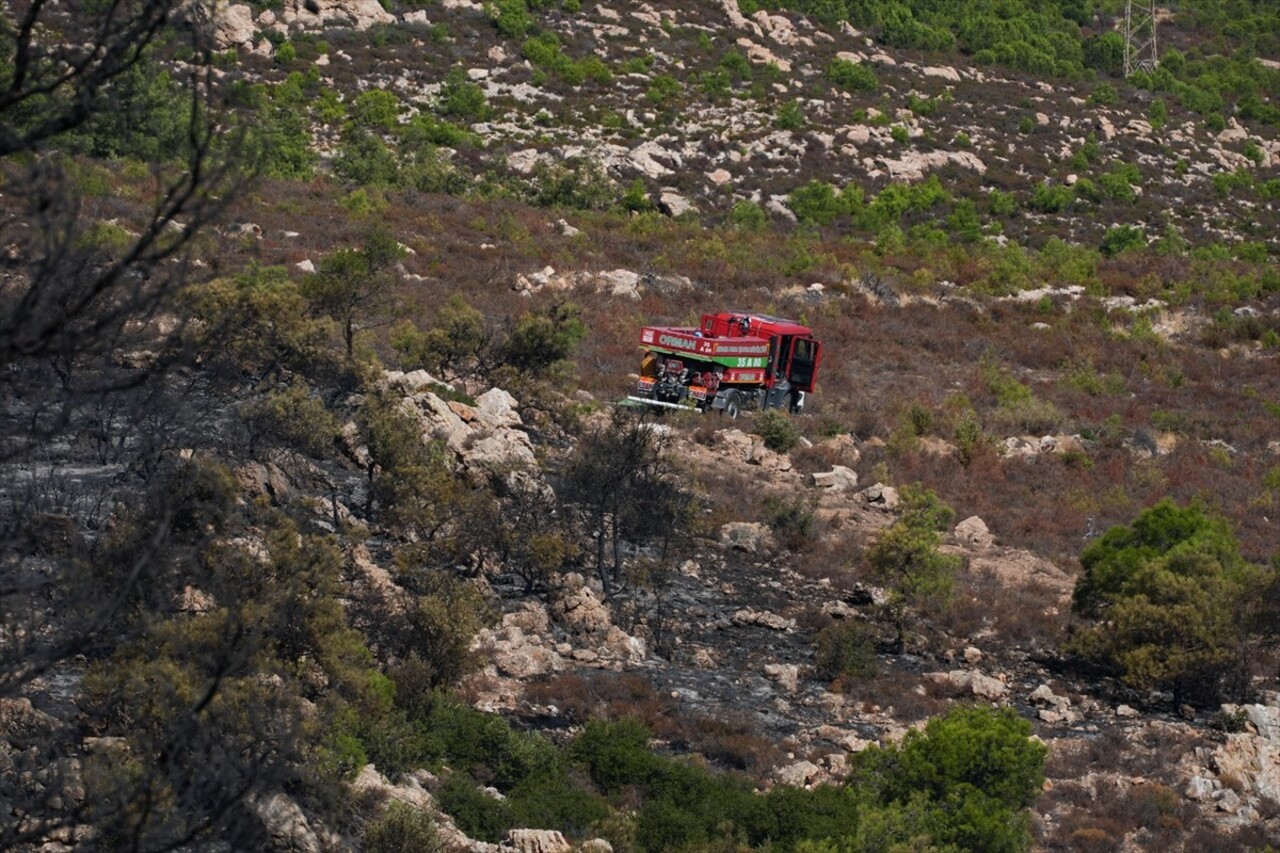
[1139,37]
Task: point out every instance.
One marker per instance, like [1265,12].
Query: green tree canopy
[1179,604]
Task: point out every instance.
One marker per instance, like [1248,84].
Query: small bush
[790,116]
[852,76]
[778,430]
[475,812]
[748,216]
[844,649]
[1122,238]
[791,521]
[401,829]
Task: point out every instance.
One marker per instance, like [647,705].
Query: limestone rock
[318,14]
[750,536]
[786,674]
[582,612]
[838,479]
[232,24]
[881,496]
[286,823]
[982,686]
[620,645]
[518,655]
[673,204]
[973,532]
[537,841]
[763,619]
[532,618]
[410,791]
[802,774]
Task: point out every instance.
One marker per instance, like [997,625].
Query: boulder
[532,618]
[802,774]
[318,14]
[749,536]
[673,204]
[763,619]
[410,791]
[786,674]
[497,409]
[971,681]
[881,496]
[620,645]
[286,824]
[537,841]
[838,479]
[231,24]
[516,654]
[581,611]
[973,532]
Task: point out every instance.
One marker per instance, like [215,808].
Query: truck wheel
[732,405]
[795,402]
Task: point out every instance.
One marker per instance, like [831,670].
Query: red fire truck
[733,361]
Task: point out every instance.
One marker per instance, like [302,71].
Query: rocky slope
[717,650]
[703,149]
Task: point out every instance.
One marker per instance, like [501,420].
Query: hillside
[323,529]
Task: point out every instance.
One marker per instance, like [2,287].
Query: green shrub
[1174,592]
[616,754]
[461,98]
[1050,198]
[296,415]
[844,649]
[1122,238]
[636,197]
[543,340]
[512,18]
[906,555]
[364,159]
[1002,203]
[970,776]
[816,203]
[790,116]
[778,430]
[748,216]
[790,520]
[1104,94]
[851,76]
[376,109]
[475,812]
[663,89]
[401,829]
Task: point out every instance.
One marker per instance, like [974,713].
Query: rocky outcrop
[971,682]
[972,532]
[1248,763]
[487,438]
[537,841]
[580,609]
[286,824]
[881,496]
[749,536]
[838,479]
